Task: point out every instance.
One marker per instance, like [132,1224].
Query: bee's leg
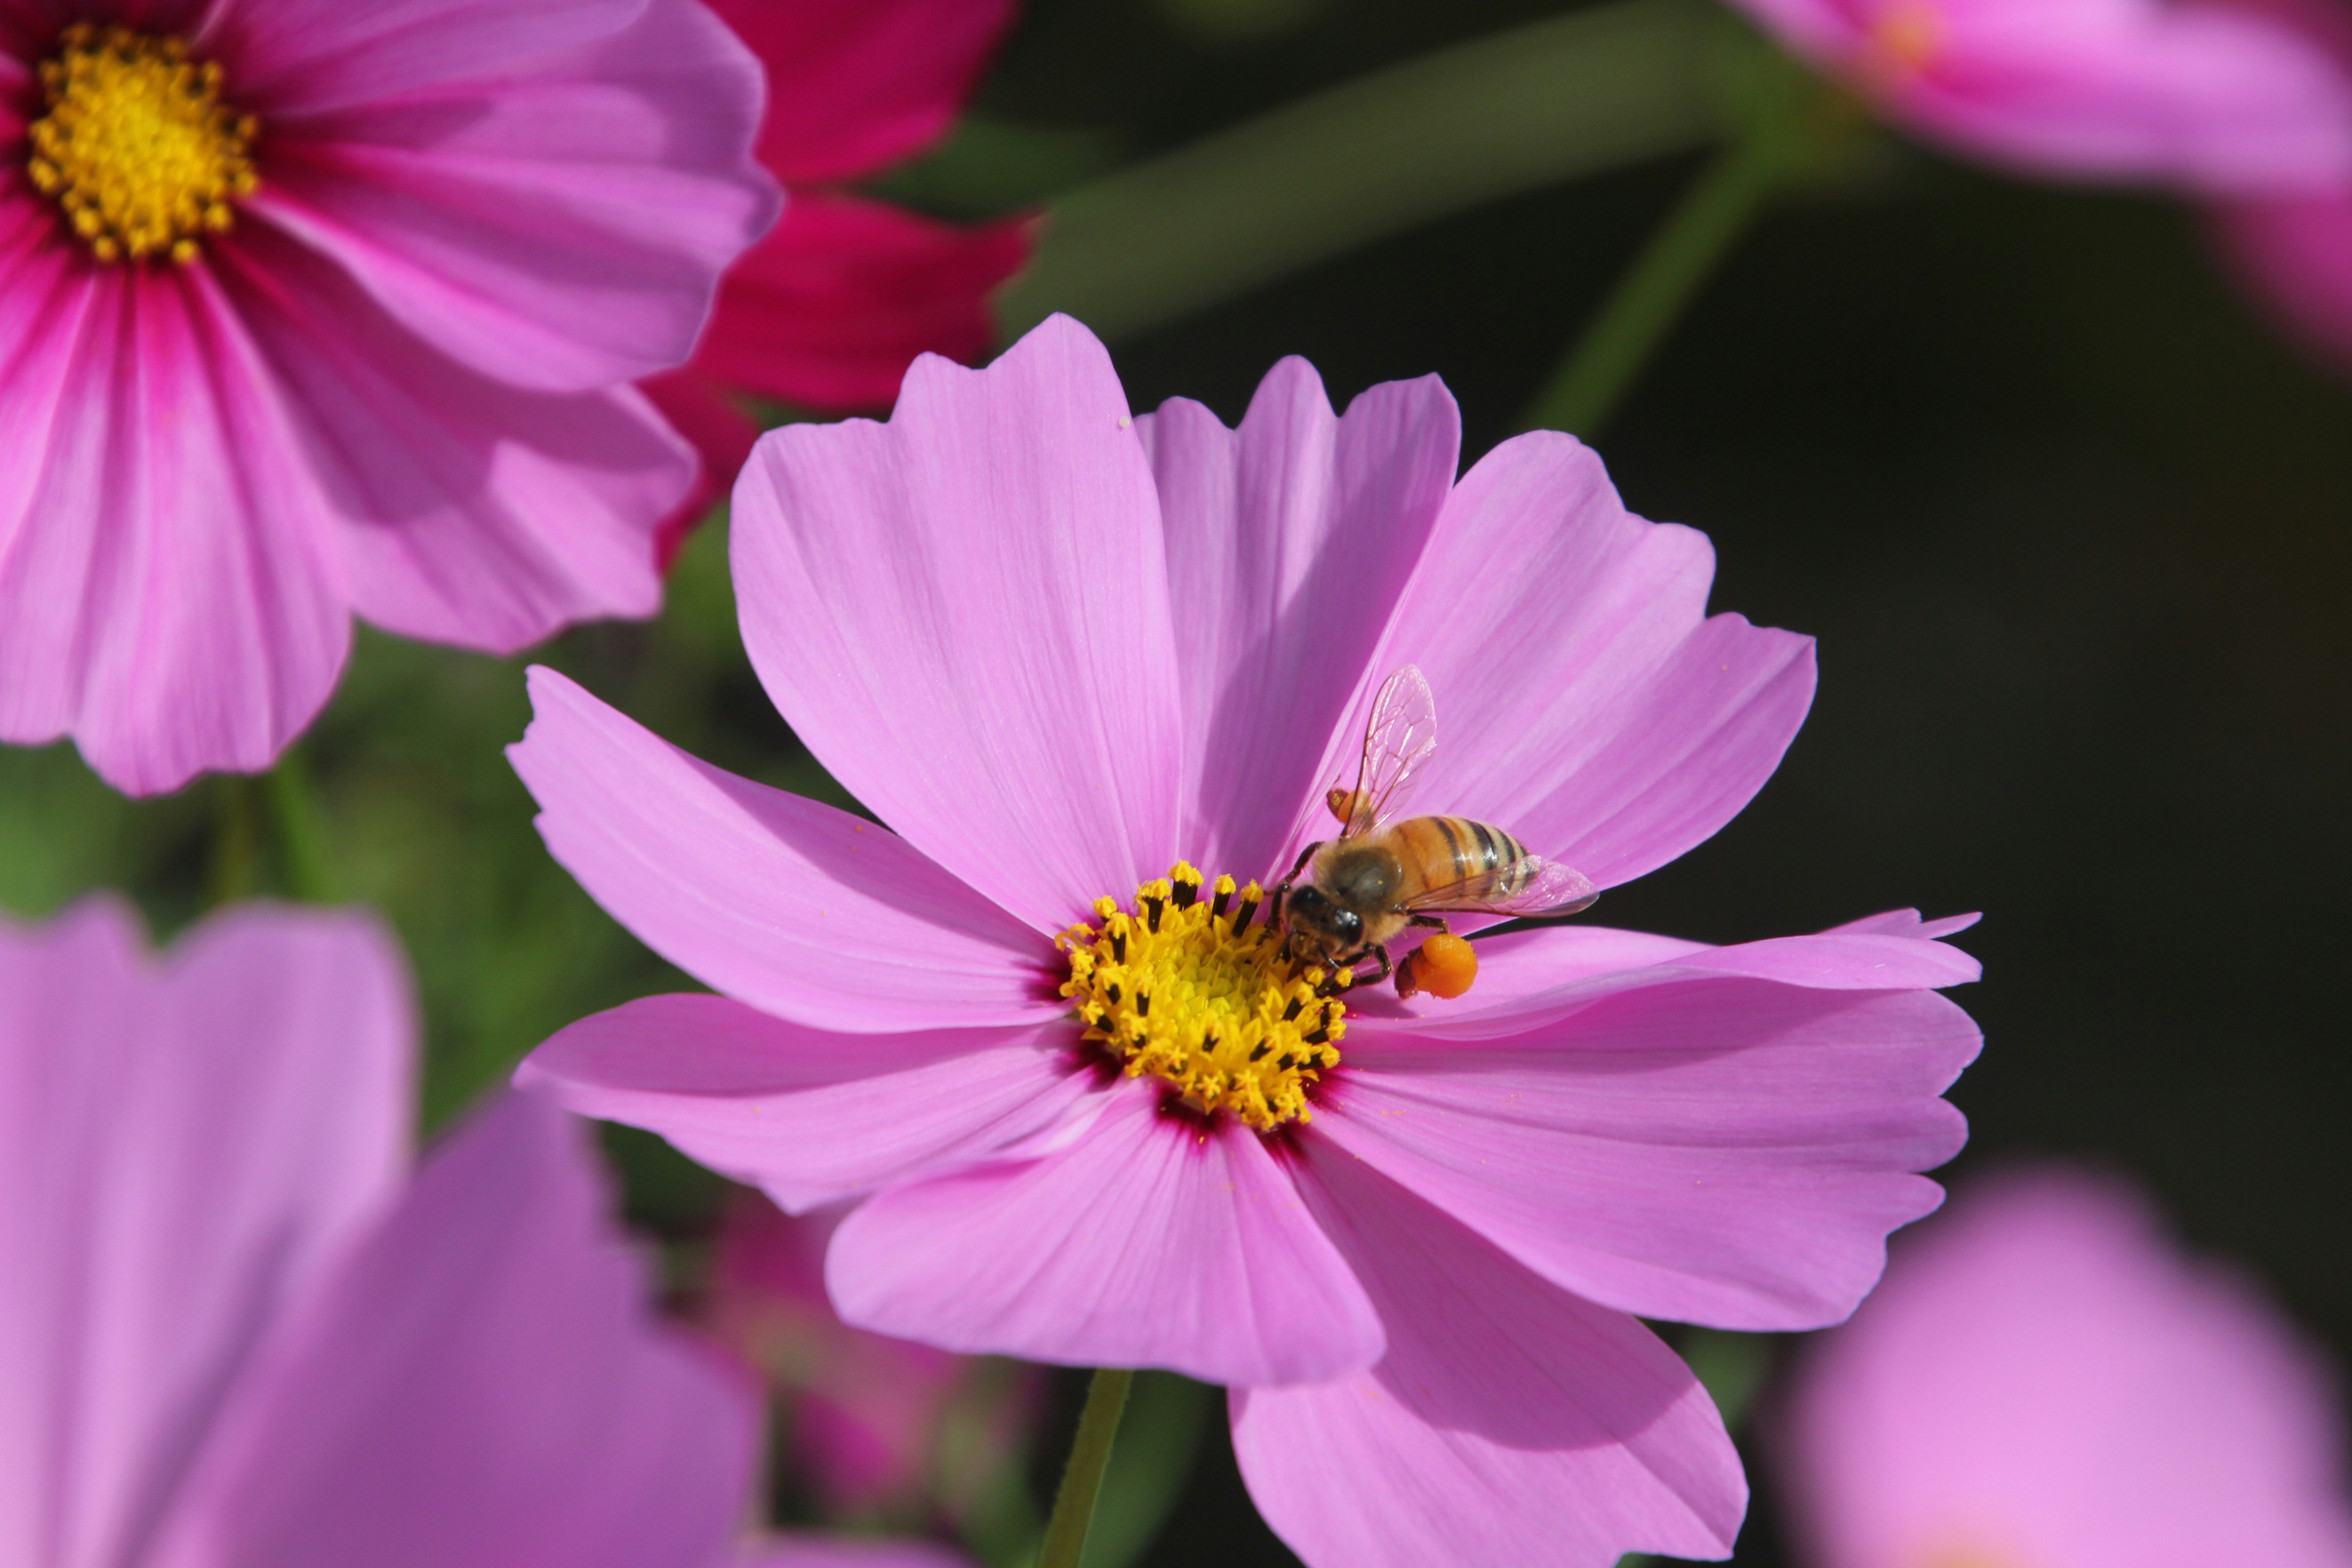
[1427,922]
[1387,968]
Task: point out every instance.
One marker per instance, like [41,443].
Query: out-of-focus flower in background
[2045,1380]
[2294,250]
[879,1429]
[317,309]
[828,311]
[1055,647]
[2203,95]
[239,1331]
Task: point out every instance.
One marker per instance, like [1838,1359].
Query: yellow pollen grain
[137,147]
[1195,991]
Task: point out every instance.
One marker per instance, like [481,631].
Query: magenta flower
[869,1416]
[827,312]
[237,1333]
[2044,1379]
[2294,251]
[1093,1120]
[2198,94]
[324,309]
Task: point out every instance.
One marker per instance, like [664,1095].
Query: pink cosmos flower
[827,312]
[869,1416]
[2045,1381]
[2194,93]
[2294,251]
[1092,1121]
[236,1331]
[317,309]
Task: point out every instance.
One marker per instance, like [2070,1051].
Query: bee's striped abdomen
[1476,861]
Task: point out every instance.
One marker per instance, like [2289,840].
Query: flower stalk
[1074,1504]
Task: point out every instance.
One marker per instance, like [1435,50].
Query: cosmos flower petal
[1585,700]
[2044,1377]
[856,85]
[808,1116]
[722,437]
[561,226]
[471,511]
[294,58]
[1714,1148]
[786,904]
[183,1144]
[827,312]
[1528,980]
[964,615]
[166,595]
[2295,254]
[1289,540]
[846,1551]
[481,1383]
[2212,96]
[1140,1243]
[1509,1424]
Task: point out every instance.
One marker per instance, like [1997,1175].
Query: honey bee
[1383,874]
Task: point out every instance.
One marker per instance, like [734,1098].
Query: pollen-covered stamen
[137,146]
[1206,999]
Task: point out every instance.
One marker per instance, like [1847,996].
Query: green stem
[305,851]
[1662,282]
[1516,110]
[1074,1505]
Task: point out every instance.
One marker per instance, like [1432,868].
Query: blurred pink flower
[358,339]
[870,1416]
[2201,95]
[2294,252]
[238,1331]
[827,312]
[1055,647]
[2044,1381]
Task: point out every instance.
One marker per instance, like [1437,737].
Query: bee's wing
[1398,739]
[1529,885]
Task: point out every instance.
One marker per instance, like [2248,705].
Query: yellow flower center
[1195,994]
[137,147]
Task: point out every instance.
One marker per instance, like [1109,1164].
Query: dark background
[2071,525]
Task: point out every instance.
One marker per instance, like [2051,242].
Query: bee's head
[1318,926]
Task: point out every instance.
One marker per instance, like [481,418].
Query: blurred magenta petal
[509,219]
[1285,538]
[965,614]
[1511,1423]
[183,1143]
[1585,699]
[721,435]
[829,311]
[232,1336]
[395,385]
[480,1384]
[2046,1378]
[1145,1242]
[1055,650]
[2295,255]
[1709,1147]
[166,593]
[796,908]
[808,1116]
[856,85]
[2205,96]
